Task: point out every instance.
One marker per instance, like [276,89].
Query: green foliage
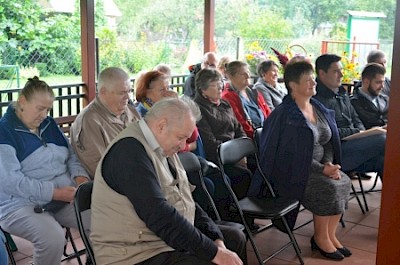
[338,32]
[99,17]
[36,39]
[109,52]
[320,11]
[18,19]
[42,68]
[177,19]
[263,24]
[144,56]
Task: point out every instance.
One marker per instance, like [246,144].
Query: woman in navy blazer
[300,155]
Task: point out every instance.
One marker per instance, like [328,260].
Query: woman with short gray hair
[268,85]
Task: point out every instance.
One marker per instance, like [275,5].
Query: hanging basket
[293,50]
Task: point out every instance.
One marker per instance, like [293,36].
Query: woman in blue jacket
[39,174]
[300,155]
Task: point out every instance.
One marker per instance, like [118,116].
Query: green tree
[129,23]
[309,13]
[227,16]
[99,16]
[320,11]
[18,21]
[263,23]
[177,19]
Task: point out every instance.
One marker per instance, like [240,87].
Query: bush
[7,72]
[42,68]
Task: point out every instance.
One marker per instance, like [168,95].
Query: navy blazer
[286,150]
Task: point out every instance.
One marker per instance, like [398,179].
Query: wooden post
[324,47]
[88,49]
[209,26]
[389,225]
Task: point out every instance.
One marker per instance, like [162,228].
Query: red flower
[283,59]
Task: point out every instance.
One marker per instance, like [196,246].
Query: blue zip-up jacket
[32,166]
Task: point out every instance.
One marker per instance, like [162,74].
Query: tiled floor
[359,235]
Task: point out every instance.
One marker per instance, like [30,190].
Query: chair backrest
[257,136]
[191,164]
[82,202]
[232,151]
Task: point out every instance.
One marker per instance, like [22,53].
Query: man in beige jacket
[143,212]
[106,116]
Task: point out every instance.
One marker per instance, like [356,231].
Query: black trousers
[235,240]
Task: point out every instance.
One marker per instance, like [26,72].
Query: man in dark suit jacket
[364,154]
[368,100]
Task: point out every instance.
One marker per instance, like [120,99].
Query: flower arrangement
[256,56]
[350,68]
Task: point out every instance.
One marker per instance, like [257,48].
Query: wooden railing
[355,51]
[69,100]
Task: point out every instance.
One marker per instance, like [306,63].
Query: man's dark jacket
[370,115]
[346,117]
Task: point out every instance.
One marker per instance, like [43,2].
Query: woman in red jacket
[248,105]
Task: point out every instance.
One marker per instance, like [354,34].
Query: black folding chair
[76,254]
[191,164]
[271,208]
[363,191]
[82,202]
[11,247]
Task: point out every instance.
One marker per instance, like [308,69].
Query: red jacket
[234,100]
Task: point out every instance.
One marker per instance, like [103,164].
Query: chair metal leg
[303,224]
[357,198]
[253,244]
[378,176]
[76,254]
[293,240]
[10,241]
[10,254]
[362,193]
[342,221]
[10,246]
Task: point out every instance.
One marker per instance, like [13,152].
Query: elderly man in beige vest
[142,207]
[106,116]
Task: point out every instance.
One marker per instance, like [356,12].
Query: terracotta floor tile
[359,235]
[372,219]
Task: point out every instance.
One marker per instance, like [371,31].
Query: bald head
[172,122]
[175,110]
[210,60]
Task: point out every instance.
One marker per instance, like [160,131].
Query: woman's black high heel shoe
[345,251]
[336,255]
